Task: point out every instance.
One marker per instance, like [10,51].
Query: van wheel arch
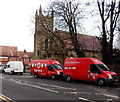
[100,81]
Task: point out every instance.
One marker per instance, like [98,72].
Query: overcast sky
[16,28]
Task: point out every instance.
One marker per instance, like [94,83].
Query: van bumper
[111,80]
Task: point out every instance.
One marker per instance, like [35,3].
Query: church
[48,46]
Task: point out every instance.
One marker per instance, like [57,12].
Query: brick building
[44,45]
[11,53]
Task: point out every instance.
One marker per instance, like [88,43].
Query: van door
[50,70]
[93,73]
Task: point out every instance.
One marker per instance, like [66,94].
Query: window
[58,67]
[46,44]
[38,53]
[94,68]
[50,68]
[103,67]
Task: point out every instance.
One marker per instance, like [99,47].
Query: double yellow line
[5,98]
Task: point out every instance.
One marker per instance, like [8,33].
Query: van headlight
[110,76]
[58,72]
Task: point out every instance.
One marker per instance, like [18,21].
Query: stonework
[44,46]
[42,42]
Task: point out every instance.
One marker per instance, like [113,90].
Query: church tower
[43,28]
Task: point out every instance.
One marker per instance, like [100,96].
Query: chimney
[24,50]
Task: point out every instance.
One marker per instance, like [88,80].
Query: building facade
[44,40]
[41,39]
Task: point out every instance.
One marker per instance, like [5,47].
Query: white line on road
[111,96]
[85,99]
[42,88]
[98,93]
[57,86]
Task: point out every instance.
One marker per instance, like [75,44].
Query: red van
[46,68]
[88,69]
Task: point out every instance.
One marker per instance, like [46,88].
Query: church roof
[87,42]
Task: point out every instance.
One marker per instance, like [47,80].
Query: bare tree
[118,34]
[109,13]
[68,13]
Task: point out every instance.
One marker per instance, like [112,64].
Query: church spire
[40,10]
[36,14]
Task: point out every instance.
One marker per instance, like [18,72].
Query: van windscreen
[58,67]
[55,66]
[101,67]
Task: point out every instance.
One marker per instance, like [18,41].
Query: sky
[16,27]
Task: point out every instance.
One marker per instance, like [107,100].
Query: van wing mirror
[88,71]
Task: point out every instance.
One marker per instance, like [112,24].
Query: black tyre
[3,71]
[12,73]
[68,78]
[53,77]
[21,73]
[36,75]
[101,82]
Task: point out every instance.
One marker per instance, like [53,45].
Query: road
[27,88]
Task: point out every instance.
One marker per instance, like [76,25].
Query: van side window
[50,68]
[8,66]
[94,69]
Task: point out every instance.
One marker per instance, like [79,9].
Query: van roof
[86,59]
[46,61]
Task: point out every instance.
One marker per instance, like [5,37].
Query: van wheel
[101,82]
[3,71]
[12,72]
[21,73]
[36,75]
[53,77]
[68,78]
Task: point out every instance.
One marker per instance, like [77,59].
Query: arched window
[46,44]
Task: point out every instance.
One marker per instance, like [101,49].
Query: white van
[14,67]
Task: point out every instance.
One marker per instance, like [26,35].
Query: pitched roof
[87,42]
[8,51]
[90,43]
